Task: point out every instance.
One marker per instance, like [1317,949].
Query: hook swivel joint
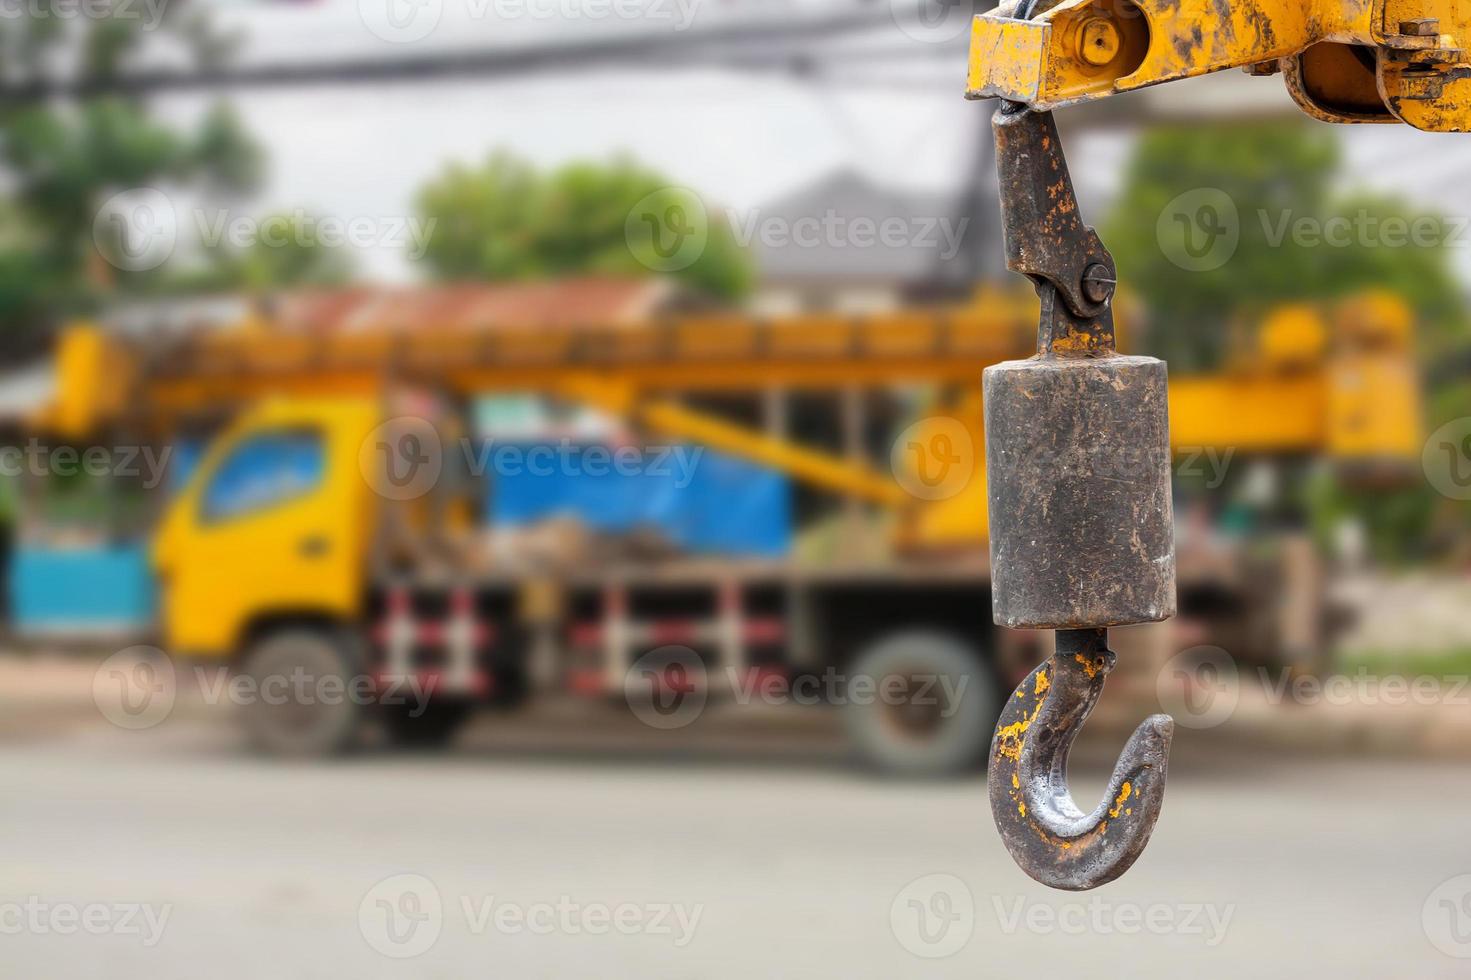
[1078,470]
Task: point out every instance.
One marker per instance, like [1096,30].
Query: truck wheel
[434,726]
[292,713]
[920,704]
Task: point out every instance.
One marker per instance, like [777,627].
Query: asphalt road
[170,853]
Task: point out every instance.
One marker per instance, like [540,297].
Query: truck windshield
[264,470]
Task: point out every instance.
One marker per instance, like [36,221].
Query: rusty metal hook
[1048,836]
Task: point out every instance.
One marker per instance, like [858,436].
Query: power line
[784,44]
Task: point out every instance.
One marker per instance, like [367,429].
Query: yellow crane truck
[334,566]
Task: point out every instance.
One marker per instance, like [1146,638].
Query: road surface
[170,853]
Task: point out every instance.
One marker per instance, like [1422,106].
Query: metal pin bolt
[1098,41]
[1098,283]
[1423,27]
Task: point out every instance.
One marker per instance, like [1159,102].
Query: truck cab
[273,525]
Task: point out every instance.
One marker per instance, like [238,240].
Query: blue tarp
[80,589]
[702,501]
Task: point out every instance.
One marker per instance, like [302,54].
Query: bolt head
[1098,283]
[1098,41]
[1421,27]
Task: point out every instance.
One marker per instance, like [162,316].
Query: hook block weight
[1078,472]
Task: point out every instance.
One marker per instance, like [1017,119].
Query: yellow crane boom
[1336,380]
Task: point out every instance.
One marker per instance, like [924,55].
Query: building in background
[849,245]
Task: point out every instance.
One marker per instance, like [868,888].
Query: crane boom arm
[1343,60]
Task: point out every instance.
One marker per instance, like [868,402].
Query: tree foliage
[61,161]
[505,219]
[288,251]
[1297,238]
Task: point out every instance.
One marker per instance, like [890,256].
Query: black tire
[936,721]
[327,721]
[432,727]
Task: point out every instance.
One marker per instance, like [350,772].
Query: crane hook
[1048,836]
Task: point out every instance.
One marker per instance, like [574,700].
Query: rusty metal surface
[1078,480]
[1046,239]
[1077,437]
[1050,838]
[1082,534]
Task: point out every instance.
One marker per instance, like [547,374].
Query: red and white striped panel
[462,633]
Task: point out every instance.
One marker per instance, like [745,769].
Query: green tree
[288,251]
[61,161]
[1294,239]
[507,220]
[1267,188]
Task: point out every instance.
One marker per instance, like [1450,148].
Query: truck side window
[264,470]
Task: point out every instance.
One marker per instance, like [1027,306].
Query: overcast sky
[739,138]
